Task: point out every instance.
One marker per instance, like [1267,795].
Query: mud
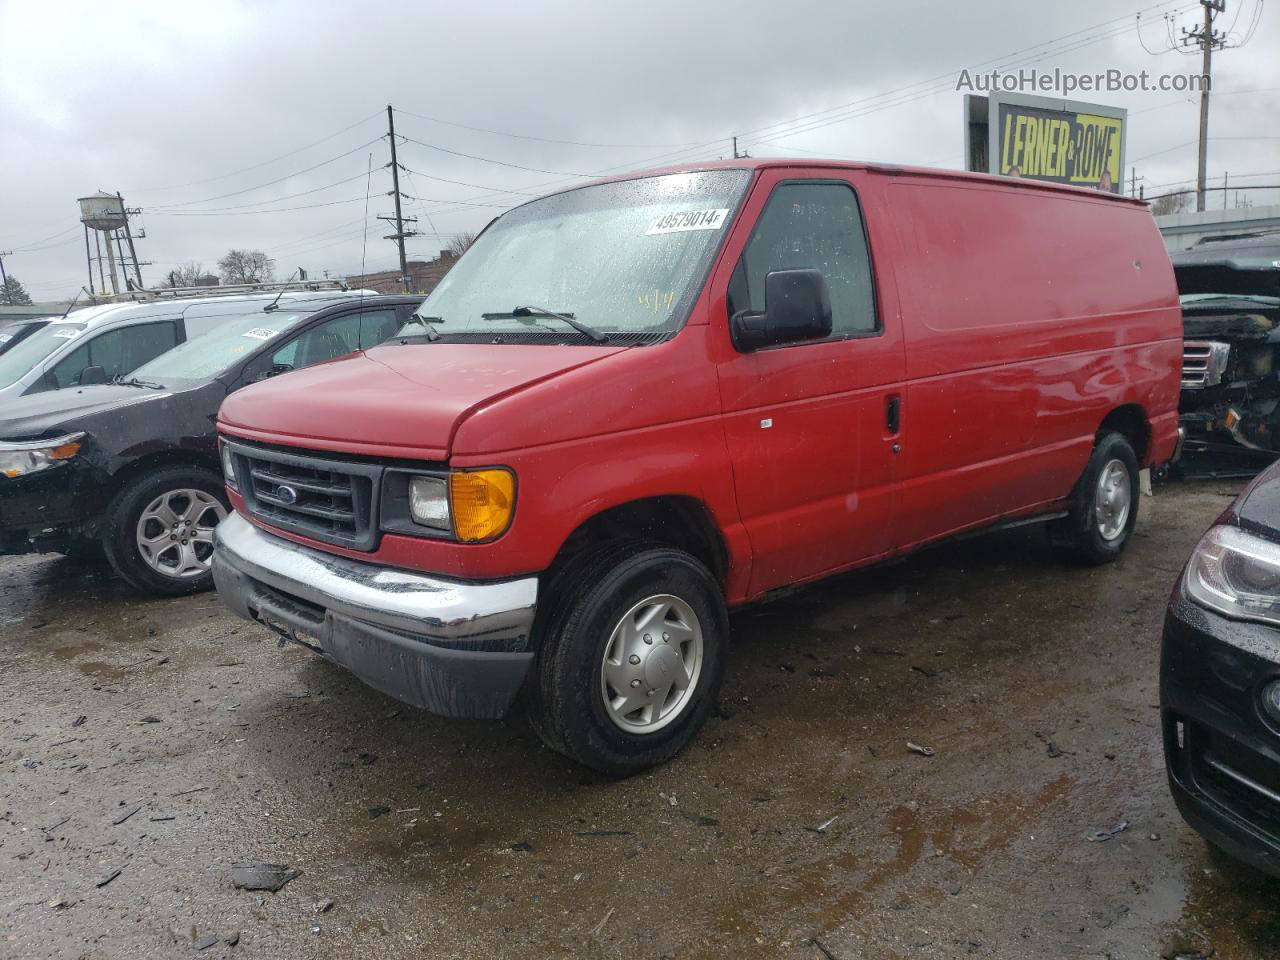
[798,825]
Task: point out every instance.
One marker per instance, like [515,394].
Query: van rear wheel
[1104,505]
[631,657]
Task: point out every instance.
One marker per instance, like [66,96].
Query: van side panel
[1029,316]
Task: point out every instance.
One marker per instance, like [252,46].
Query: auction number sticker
[260,333]
[66,334]
[688,220]
[5,337]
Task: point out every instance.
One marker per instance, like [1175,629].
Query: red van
[638,403]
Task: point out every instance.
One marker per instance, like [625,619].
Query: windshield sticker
[5,337]
[65,334]
[260,333]
[688,220]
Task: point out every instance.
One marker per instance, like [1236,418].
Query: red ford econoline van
[635,404]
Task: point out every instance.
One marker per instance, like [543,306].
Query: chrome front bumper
[452,647]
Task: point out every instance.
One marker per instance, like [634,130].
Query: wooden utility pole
[1206,38]
[400,234]
[4,277]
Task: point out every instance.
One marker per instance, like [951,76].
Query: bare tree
[1170,203]
[460,244]
[246,266]
[187,274]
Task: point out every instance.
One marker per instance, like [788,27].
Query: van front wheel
[1104,506]
[631,659]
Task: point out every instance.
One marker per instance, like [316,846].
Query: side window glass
[813,226]
[66,372]
[376,326]
[134,347]
[332,339]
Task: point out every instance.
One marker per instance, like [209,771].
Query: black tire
[119,538]
[1079,532]
[586,601]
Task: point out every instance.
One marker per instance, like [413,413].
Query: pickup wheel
[1104,506]
[631,658]
[159,530]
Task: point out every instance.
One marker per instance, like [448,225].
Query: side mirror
[92,376]
[797,307]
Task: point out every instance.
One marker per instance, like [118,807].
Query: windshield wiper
[428,331]
[521,313]
[135,382]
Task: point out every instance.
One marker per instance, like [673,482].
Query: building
[423,276]
[12,314]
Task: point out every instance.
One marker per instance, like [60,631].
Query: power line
[249,213]
[264,163]
[269,183]
[519,136]
[501,163]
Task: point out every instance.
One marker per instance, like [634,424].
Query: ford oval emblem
[286,494]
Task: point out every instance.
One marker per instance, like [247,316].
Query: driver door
[812,427]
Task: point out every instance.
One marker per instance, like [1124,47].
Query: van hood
[400,400]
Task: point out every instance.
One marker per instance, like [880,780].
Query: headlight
[20,459]
[483,502]
[1237,574]
[228,465]
[429,502]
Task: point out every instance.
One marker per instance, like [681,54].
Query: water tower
[105,214]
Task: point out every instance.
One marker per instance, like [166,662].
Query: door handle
[893,414]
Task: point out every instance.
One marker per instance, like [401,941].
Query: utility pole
[1207,39]
[739,155]
[128,233]
[1224,189]
[400,234]
[1133,180]
[4,277]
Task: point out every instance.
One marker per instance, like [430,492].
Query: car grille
[1203,363]
[328,500]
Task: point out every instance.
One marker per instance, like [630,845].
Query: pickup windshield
[622,258]
[16,362]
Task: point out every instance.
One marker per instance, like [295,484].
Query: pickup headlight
[472,505]
[1237,574]
[32,456]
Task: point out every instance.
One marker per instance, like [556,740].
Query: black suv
[131,469]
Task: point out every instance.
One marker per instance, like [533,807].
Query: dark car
[1230,402]
[131,468]
[15,333]
[1220,680]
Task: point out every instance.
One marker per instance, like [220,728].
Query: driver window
[814,226]
[330,340]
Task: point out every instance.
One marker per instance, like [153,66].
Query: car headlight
[1237,574]
[31,456]
[473,505]
[228,465]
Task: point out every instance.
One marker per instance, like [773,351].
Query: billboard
[1046,138]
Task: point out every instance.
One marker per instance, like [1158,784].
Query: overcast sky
[209,115]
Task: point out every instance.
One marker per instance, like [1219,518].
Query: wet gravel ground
[148,746]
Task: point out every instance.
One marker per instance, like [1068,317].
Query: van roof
[96,315]
[889,169]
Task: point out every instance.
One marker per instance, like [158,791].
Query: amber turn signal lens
[483,502]
[66,451]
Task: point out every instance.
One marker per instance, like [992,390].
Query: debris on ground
[204,943]
[1102,836]
[126,815]
[1051,748]
[599,927]
[262,876]
[322,906]
[378,811]
[824,826]
[917,748]
[109,877]
[699,819]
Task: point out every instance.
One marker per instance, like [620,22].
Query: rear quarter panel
[1030,314]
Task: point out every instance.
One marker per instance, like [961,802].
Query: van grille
[1203,363]
[327,500]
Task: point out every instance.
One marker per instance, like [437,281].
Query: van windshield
[621,258]
[15,363]
[204,357]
